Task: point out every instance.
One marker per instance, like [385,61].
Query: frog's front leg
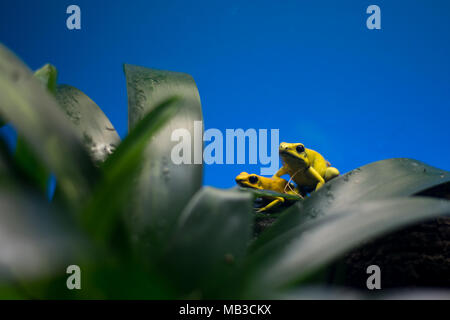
[315,175]
[281,172]
[331,173]
[277,201]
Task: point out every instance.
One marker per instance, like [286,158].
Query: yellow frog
[307,167]
[276,184]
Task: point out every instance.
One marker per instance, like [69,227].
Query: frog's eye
[300,148]
[253,179]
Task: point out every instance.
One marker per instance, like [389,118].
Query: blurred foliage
[141,227]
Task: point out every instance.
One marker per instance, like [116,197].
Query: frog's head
[294,155]
[247,180]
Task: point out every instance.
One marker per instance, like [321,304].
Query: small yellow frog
[276,184]
[307,167]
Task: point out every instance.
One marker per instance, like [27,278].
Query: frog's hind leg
[276,202]
[331,173]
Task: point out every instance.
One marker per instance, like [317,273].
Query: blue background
[309,68]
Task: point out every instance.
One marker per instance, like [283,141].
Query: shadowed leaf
[379,180]
[307,247]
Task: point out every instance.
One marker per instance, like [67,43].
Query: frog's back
[275,184]
[318,162]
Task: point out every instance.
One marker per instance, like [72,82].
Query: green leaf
[98,134]
[47,75]
[209,243]
[46,129]
[379,180]
[119,172]
[294,255]
[34,242]
[163,188]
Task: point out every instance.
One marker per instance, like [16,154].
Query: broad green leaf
[98,134]
[164,187]
[46,129]
[294,255]
[379,180]
[209,243]
[120,170]
[47,75]
[34,242]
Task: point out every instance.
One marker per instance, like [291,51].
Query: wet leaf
[98,134]
[164,188]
